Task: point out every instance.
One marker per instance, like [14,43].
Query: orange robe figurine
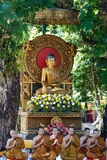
[71,143]
[96,146]
[83,150]
[14,147]
[39,145]
[37,154]
[83,141]
[55,145]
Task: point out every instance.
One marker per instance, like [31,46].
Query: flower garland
[53,103]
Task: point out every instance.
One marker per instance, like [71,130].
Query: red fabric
[43,53]
[89,111]
[90,116]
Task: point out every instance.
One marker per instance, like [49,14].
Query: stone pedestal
[31,121]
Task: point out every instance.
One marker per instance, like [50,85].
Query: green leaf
[1,54]
[4,7]
[86,25]
[83,11]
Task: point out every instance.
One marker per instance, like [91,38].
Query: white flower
[41,105]
[52,107]
[40,102]
[68,102]
[54,96]
[73,103]
[54,102]
[47,102]
[43,96]
[63,106]
[67,95]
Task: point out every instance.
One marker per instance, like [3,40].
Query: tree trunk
[9,104]
[94,83]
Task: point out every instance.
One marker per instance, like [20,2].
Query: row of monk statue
[48,147]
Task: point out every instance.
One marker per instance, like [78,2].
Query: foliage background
[17,25]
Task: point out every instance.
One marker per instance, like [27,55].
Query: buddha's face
[41,131]
[13,134]
[51,62]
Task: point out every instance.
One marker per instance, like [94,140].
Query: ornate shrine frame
[32,73]
[32,48]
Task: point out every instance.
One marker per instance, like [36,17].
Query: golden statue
[50,78]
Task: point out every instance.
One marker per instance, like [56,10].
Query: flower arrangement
[53,103]
[60,126]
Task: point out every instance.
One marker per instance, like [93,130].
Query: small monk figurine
[83,141]
[55,144]
[96,146]
[50,78]
[39,145]
[14,147]
[71,142]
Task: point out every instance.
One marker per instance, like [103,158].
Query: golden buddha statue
[50,78]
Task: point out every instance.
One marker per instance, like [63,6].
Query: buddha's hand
[56,80]
[44,90]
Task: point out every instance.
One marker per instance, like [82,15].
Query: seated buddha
[50,78]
